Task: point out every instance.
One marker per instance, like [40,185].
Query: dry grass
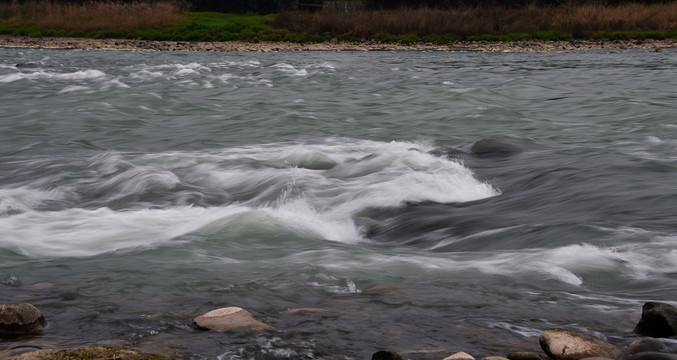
[594,17]
[94,15]
[572,18]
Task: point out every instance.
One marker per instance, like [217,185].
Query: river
[428,202]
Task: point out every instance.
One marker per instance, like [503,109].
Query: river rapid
[428,202]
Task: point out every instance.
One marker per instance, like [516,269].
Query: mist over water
[492,196]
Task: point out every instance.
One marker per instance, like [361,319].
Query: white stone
[459,356]
[230,319]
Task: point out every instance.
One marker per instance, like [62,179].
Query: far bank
[539,46]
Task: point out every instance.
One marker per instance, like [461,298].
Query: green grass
[197,26]
[209,26]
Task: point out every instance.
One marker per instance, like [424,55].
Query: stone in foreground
[459,356]
[88,353]
[562,344]
[658,320]
[230,319]
[20,319]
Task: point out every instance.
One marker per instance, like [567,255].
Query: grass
[568,21]
[197,26]
[92,16]
[170,21]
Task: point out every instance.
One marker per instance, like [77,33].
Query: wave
[41,74]
[116,200]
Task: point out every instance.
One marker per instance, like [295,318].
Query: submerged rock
[642,345]
[567,345]
[658,320]
[21,319]
[653,356]
[230,319]
[387,355]
[499,146]
[88,353]
[305,312]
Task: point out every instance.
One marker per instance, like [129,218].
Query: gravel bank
[477,46]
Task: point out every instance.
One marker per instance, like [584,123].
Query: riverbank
[230,46]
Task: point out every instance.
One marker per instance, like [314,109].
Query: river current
[429,203]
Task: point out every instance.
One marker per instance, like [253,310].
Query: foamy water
[492,196]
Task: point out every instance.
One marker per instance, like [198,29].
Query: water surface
[488,197]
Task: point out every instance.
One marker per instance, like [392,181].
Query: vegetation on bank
[170,21]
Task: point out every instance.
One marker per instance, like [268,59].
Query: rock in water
[561,344]
[642,345]
[658,320]
[90,353]
[387,355]
[230,319]
[653,356]
[459,356]
[20,319]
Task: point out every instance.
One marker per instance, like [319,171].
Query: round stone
[21,319]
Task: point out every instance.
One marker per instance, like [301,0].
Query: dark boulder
[653,356]
[387,355]
[20,319]
[658,320]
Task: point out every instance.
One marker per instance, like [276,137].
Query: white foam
[82,232]
[22,199]
[74,88]
[290,69]
[315,190]
[146,74]
[520,330]
[115,83]
[77,75]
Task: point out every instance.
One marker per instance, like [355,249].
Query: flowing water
[428,202]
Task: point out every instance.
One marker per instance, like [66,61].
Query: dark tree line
[274,6]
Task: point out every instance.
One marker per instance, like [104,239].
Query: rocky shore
[472,46]
[656,330]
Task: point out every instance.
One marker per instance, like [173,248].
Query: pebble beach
[537,46]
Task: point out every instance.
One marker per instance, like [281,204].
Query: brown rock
[494,358]
[658,320]
[230,319]
[567,345]
[89,353]
[459,356]
[20,319]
